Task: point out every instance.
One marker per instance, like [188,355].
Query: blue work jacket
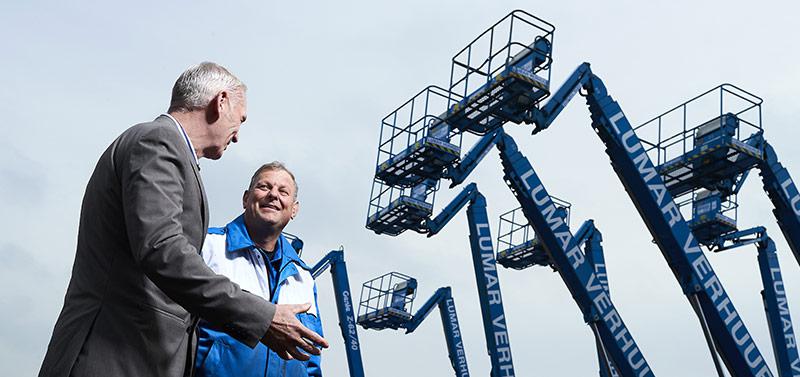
[230,251]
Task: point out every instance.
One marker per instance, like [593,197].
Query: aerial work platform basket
[517,245]
[415,143]
[501,74]
[416,149]
[393,210]
[386,301]
[704,149]
[706,142]
[710,216]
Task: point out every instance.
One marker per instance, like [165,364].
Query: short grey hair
[198,85]
[274,165]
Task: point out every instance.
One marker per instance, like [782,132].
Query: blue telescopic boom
[592,239]
[458,173]
[589,236]
[773,295]
[483,259]
[670,231]
[443,299]
[784,196]
[588,233]
[344,306]
[776,307]
[576,271]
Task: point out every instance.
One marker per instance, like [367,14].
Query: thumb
[302,308]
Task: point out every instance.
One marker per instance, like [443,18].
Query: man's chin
[268,213]
[269,221]
[216,155]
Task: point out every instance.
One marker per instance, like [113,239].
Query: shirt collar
[238,239]
[185,136]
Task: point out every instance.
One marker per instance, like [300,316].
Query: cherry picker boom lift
[483,259]
[542,213]
[386,302]
[519,248]
[405,183]
[717,155]
[773,294]
[415,150]
[724,329]
[712,163]
[344,306]
[411,209]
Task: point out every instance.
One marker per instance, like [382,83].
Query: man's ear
[244,199]
[223,99]
[295,209]
[215,106]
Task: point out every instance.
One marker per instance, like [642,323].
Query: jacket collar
[238,240]
[184,135]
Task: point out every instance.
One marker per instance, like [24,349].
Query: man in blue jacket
[252,252]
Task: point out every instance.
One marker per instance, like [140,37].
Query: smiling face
[271,202]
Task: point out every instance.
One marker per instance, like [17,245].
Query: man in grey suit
[138,282]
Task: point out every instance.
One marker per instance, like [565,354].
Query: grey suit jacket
[138,282]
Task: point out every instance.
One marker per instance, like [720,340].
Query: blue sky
[321,76]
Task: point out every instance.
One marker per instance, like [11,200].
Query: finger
[313,337]
[308,346]
[302,308]
[284,354]
[295,353]
[281,351]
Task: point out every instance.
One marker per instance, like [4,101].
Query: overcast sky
[321,76]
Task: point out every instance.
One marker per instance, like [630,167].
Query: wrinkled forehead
[276,176]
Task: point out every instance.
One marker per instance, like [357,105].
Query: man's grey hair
[274,165]
[198,85]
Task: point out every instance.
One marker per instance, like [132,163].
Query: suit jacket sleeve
[152,181]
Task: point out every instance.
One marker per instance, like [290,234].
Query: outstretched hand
[287,336]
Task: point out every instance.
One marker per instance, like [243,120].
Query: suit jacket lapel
[196,170]
[204,202]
